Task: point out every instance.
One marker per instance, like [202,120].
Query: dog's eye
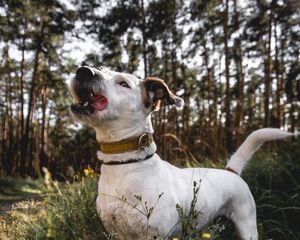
[124,84]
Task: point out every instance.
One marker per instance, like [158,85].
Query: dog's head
[103,97]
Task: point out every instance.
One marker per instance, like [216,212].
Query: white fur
[127,192]
[253,142]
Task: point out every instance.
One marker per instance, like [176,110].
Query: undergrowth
[67,211]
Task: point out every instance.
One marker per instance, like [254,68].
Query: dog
[141,196]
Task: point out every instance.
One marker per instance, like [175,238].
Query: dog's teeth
[85,104]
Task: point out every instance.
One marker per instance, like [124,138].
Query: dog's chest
[136,201]
[124,205]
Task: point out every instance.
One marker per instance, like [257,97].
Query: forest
[234,62]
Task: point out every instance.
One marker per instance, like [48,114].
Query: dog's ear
[157,90]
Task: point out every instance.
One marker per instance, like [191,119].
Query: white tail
[241,157]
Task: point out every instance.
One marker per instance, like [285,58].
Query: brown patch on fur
[159,94]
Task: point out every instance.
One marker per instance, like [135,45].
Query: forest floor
[13,191]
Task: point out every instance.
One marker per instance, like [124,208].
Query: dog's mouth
[90,104]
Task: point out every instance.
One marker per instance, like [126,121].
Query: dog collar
[127,161]
[127,145]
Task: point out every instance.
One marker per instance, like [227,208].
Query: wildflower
[88,172]
[206,236]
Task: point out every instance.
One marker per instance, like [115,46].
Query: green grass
[67,211]
[274,180]
[15,190]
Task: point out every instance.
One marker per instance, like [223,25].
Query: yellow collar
[127,145]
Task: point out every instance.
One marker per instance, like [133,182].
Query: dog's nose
[84,74]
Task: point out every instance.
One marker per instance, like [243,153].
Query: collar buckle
[145,140]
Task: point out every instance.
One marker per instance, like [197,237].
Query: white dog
[141,196]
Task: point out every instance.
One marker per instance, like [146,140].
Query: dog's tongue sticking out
[99,102]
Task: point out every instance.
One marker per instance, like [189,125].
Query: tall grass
[68,211]
[274,180]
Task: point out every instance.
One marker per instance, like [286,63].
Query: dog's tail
[241,157]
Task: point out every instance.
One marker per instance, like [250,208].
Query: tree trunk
[9,117]
[209,91]
[144,40]
[43,140]
[3,142]
[228,120]
[186,110]
[3,113]
[279,58]
[240,80]
[268,68]
[21,92]
[31,98]
[174,50]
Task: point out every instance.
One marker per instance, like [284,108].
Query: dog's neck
[111,132]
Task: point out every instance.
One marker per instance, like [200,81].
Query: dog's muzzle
[88,100]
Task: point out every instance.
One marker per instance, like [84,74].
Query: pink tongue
[99,102]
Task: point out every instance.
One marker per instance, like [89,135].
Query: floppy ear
[157,90]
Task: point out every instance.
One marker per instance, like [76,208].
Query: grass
[274,180]
[67,211]
[14,190]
